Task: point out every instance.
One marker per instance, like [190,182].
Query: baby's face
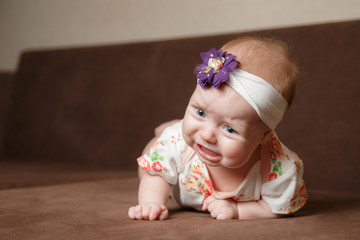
[222,127]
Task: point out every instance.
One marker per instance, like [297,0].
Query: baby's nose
[208,135]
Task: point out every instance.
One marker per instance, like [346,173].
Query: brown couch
[73,121]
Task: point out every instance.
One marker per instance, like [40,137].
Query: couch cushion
[15,173]
[98,210]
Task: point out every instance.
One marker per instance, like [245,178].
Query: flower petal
[200,68]
[229,58]
[221,53]
[232,65]
[220,77]
[213,53]
[205,56]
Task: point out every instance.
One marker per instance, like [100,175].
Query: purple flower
[216,67]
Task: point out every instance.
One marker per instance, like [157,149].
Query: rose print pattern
[157,144]
[272,176]
[276,148]
[174,139]
[298,166]
[277,155]
[241,197]
[197,181]
[144,164]
[279,163]
[155,156]
[151,161]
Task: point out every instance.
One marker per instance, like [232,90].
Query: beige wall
[29,24]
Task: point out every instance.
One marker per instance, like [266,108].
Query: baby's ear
[265,137]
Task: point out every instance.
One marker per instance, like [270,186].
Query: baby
[224,156]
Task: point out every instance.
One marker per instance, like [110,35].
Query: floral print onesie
[276,177]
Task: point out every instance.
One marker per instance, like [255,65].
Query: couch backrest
[6,82]
[100,104]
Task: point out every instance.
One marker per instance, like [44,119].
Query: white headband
[269,104]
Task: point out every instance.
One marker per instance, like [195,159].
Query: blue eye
[230,130]
[200,112]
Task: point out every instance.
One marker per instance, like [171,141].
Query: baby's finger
[138,212]
[131,213]
[164,213]
[204,206]
[212,206]
[146,212]
[215,212]
[208,201]
[154,213]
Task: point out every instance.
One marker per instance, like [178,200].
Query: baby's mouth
[207,154]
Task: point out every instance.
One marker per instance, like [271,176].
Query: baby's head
[235,105]
[268,59]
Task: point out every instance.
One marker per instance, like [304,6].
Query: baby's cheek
[236,153]
[232,151]
[187,135]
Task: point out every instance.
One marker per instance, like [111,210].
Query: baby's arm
[153,195]
[255,210]
[230,209]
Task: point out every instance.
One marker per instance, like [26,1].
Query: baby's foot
[148,211]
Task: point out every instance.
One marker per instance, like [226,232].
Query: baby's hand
[221,208]
[148,211]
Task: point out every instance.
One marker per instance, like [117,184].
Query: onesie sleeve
[163,158]
[284,191]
